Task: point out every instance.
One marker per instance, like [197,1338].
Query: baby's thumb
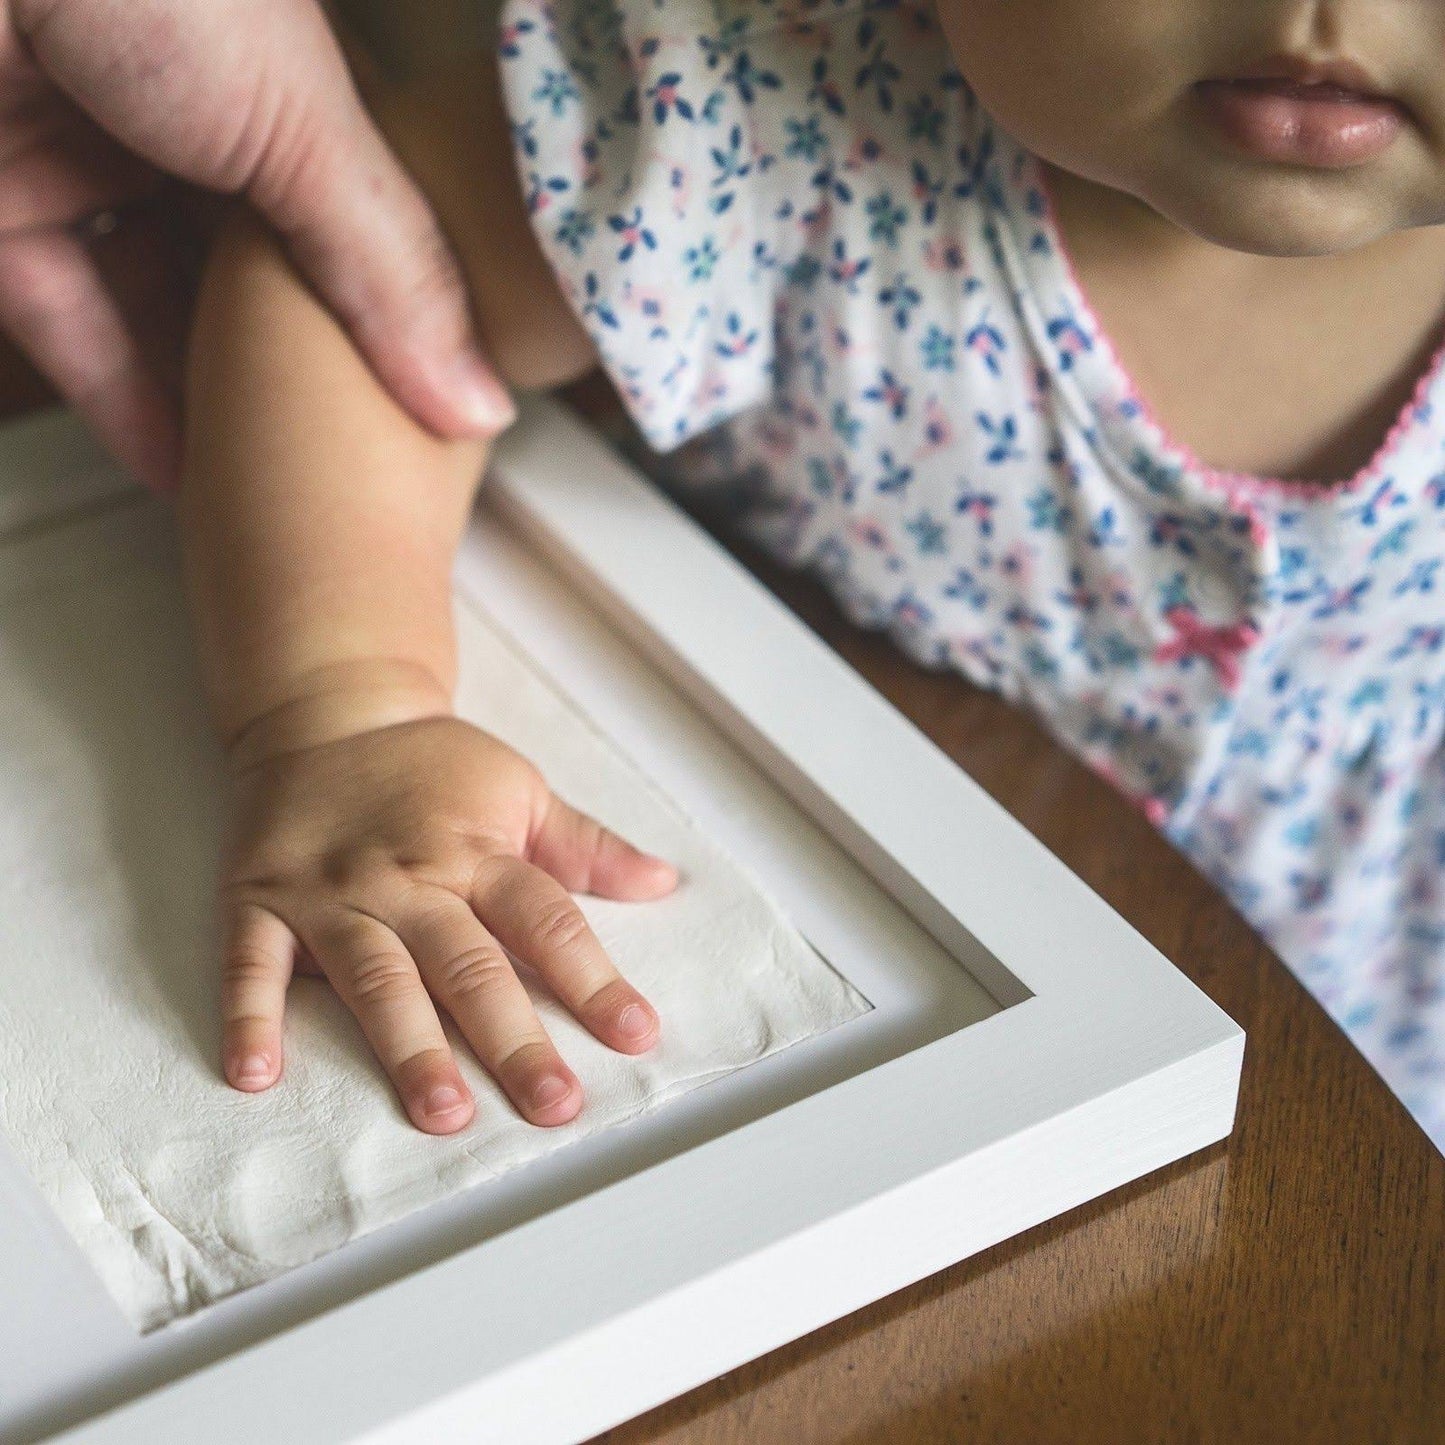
[585,857]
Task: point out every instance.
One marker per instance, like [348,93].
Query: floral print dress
[833,291]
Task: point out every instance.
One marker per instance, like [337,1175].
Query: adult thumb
[360,231]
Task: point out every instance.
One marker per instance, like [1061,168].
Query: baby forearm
[319,522]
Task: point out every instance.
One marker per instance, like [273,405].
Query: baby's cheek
[1055,74]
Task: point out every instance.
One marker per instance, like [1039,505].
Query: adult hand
[102,101]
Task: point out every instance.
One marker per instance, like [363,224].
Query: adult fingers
[468,972]
[57,307]
[585,857]
[259,955]
[533,916]
[301,146]
[375,976]
[65,171]
[151,262]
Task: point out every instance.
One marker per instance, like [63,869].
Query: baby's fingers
[532,915]
[585,857]
[471,976]
[377,980]
[259,957]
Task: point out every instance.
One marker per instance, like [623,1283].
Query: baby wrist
[336,701]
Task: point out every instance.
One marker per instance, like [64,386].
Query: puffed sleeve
[663,148]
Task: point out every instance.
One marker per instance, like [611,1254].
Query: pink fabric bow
[1219,646]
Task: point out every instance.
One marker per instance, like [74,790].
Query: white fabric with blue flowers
[804,250]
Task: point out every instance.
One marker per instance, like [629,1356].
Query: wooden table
[1285,1285]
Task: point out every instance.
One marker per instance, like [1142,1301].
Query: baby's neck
[1322,351]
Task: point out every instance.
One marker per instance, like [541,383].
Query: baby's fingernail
[549,1091]
[254,1069]
[633,1022]
[442,1100]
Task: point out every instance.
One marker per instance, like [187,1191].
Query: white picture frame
[1104,1063]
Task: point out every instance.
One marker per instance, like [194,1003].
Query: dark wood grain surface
[1285,1285]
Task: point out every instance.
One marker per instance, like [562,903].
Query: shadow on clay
[140,741]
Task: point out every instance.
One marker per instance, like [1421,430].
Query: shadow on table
[973,1322]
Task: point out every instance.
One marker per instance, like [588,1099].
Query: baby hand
[400,862]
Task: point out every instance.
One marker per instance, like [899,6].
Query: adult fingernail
[442,1100]
[254,1069]
[549,1091]
[483,400]
[633,1022]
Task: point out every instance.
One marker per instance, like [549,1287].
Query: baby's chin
[1280,211]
